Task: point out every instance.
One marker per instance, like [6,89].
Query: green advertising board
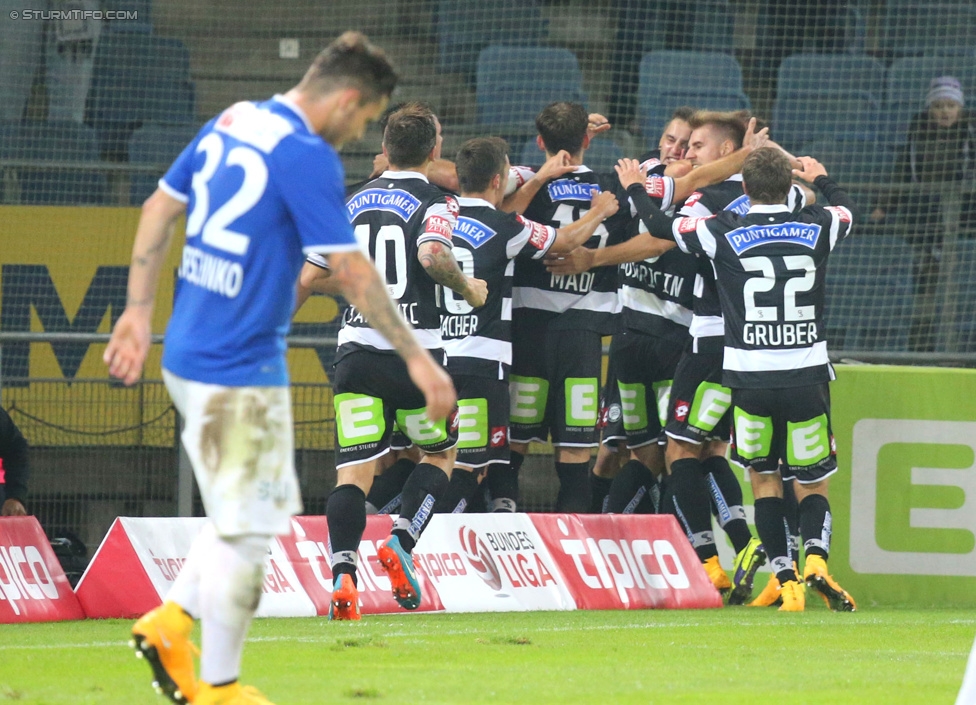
[904,498]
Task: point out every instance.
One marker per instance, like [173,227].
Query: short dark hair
[351,61]
[730,125]
[562,125]
[767,176]
[410,135]
[478,161]
[683,113]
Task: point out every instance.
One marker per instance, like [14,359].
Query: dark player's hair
[562,125]
[683,113]
[351,61]
[478,161]
[767,176]
[410,135]
[729,125]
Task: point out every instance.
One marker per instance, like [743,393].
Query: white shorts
[241,445]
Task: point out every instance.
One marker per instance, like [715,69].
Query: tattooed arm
[126,351]
[439,263]
[363,287]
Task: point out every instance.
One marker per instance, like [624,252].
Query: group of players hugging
[705,262]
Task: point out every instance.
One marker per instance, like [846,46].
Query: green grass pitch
[739,655]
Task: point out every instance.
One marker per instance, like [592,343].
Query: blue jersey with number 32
[262,191]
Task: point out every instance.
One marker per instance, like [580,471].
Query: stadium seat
[869,293]
[816,73]
[914,28]
[715,74]
[600,157]
[137,78]
[807,117]
[465,28]
[156,144]
[852,24]
[964,294]
[515,83]
[854,162]
[657,115]
[908,82]
[54,142]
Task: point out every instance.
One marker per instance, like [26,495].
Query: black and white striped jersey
[584,301]
[725,196]
[486,244]
[770,265]
[392,215]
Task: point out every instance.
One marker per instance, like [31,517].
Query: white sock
[230,589]
[185,591]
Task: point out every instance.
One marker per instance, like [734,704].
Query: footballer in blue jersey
[261,185]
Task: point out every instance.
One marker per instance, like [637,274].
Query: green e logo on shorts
[753,435]
[472,423]
[633,404]
[662,392]
[582,401]
[359,419]
[807,442]
[528,399]
[419,429]
[710,404]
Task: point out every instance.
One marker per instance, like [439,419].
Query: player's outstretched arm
[815,173]
[723,168]
[569,237]
[557,165]
[126,351]
[439,263]
[363,287]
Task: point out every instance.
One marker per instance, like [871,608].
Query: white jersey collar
[472,202]
[402,175]
[769,208]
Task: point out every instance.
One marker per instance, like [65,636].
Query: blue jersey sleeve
[178,179]
[312,187]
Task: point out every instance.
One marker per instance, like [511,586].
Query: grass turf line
[739,655]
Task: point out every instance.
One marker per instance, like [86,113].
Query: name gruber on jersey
[569,190]
[394,201]
[213,273]
[458,326]
[744,239]
[768,335]
[579,283]
[651,278]
[408,312]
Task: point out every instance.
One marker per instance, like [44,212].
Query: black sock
[815,525]
[774,533]
[599,489]
[502,484]
[384,495]
[630,491]
[461,489]
[426,483]
[792,511]
[726,494]
[687,496]
[345,513]
[574,488]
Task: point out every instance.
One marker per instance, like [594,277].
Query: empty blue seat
[515,83]
[852,163]
[159,145]
[869,293]
[656,116]
[600,157]
[54,142]
[807,117]
[465,28]
[816,73]
[908,83]
[914,28]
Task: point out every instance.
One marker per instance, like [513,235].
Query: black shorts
[611,424]
[645,367]
[700,409]
[372,390]
[789,426]
[555,384]
[482,421]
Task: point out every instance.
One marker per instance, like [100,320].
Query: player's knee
[678,450]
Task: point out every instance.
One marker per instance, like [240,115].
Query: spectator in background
[70,58]
[941,148]
[13,468]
